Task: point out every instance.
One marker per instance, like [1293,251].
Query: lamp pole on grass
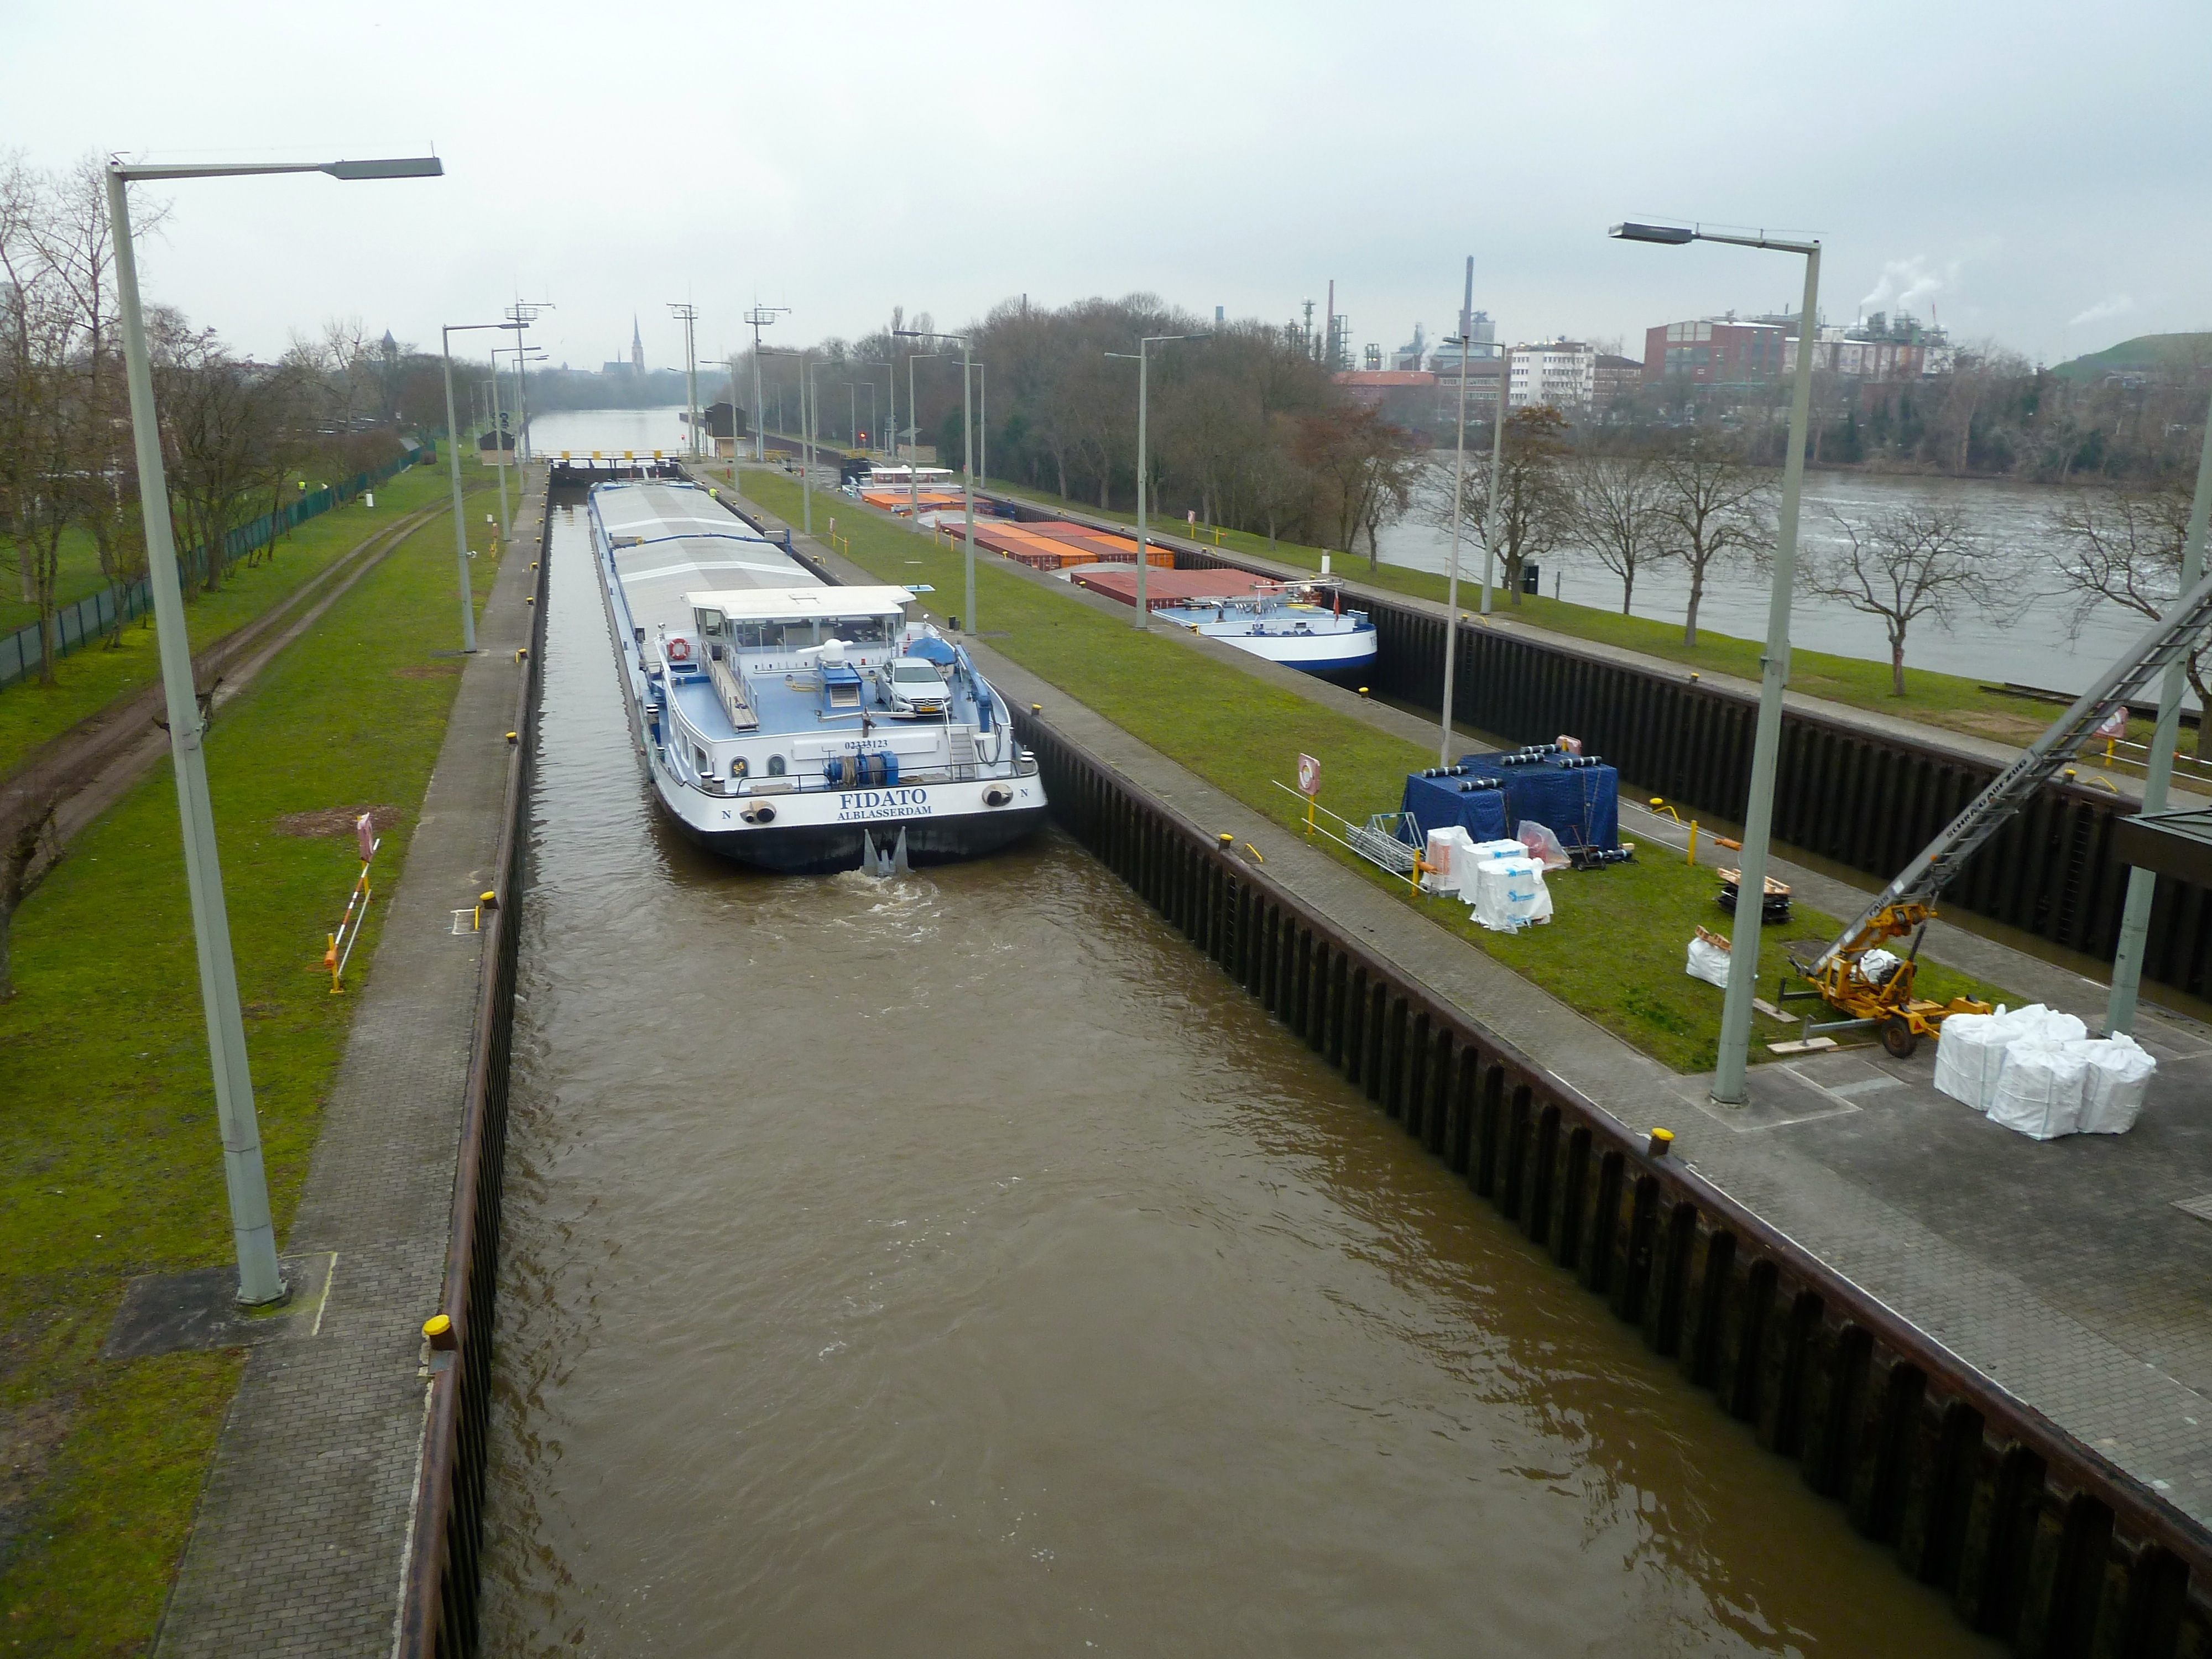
[1465,343]
[967,459]
[1774,666]
[499,445]
[522,314]
[914,445]
[253,1234]
[1143,354]
[2143,885]
[453,443]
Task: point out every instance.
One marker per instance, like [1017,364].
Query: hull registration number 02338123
[856,805]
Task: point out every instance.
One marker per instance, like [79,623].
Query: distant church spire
[637,346]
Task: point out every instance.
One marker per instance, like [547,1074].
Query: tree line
[1248,430]
[238,436]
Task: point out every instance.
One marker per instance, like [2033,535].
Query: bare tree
[1536,507]
[1907,563]
[1718,511]
[1619,516]
[41,426]
[2123,547]
[1363,466]
[221,418]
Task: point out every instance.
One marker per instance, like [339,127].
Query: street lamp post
[1144,357]
[454,444]
[983,421]
[522,314]
[967,461]
[913,448]
[499,445]
[252,1233]
[1465,343]
[1774,667]
[2143,885]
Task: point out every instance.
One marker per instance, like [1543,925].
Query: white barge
[790,723]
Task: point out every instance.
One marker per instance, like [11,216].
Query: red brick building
[1713,352]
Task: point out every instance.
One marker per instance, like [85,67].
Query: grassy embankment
[1615,950]
[111,1165]
[1948,701]
[89,678]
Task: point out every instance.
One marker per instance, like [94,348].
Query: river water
[2044,647]
[960,1265]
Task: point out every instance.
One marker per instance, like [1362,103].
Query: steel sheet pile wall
[437,1615]
[1866,799]
[2037,1539]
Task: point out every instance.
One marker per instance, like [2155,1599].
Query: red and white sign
[364,834]
[1308,775]
[2115,724]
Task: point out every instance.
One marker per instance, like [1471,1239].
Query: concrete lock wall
[2037,1539]
[1866,799]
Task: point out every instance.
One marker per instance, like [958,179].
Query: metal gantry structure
[688,314]
[758,318]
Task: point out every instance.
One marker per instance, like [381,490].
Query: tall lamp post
[1465,341]
[519,354]
[1774,666]
[967,459]
[1143,354]
[913,447]
[453,443]
[252,1233]
[2143,885]
[522,314]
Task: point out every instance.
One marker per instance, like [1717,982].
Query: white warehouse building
[1560,373]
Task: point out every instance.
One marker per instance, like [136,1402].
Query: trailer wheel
[1899,1036]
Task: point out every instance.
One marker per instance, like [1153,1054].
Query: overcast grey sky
[2023,168]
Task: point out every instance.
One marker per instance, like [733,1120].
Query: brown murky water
[959,1265]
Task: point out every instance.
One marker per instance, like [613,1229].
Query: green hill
[2145,353]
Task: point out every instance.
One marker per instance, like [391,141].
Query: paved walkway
[298,1546]
[2061,1270]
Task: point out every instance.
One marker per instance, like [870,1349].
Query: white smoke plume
[2111,305]
[1910,284]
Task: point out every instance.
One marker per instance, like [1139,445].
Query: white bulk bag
[1509,894]
[2040,1090]
[1708,959]
[2119,1074]
[1968,1049]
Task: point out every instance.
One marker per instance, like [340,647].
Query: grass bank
[89,679]
[1948,702]
[109,1161]
[1616,949]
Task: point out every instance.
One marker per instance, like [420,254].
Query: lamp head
[1631,231]
[412,167]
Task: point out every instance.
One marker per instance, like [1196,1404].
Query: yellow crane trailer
[1870,985]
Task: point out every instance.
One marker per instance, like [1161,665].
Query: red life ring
[679,649]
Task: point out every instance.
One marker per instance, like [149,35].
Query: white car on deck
[913,687]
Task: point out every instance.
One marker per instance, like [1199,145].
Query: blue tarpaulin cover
[1439,803]
[1579,804]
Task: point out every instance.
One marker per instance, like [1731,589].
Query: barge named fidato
[791,723]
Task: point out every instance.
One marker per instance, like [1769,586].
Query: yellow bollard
[1310,814]
[1693,842]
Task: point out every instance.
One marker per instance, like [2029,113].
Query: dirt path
[80,774]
